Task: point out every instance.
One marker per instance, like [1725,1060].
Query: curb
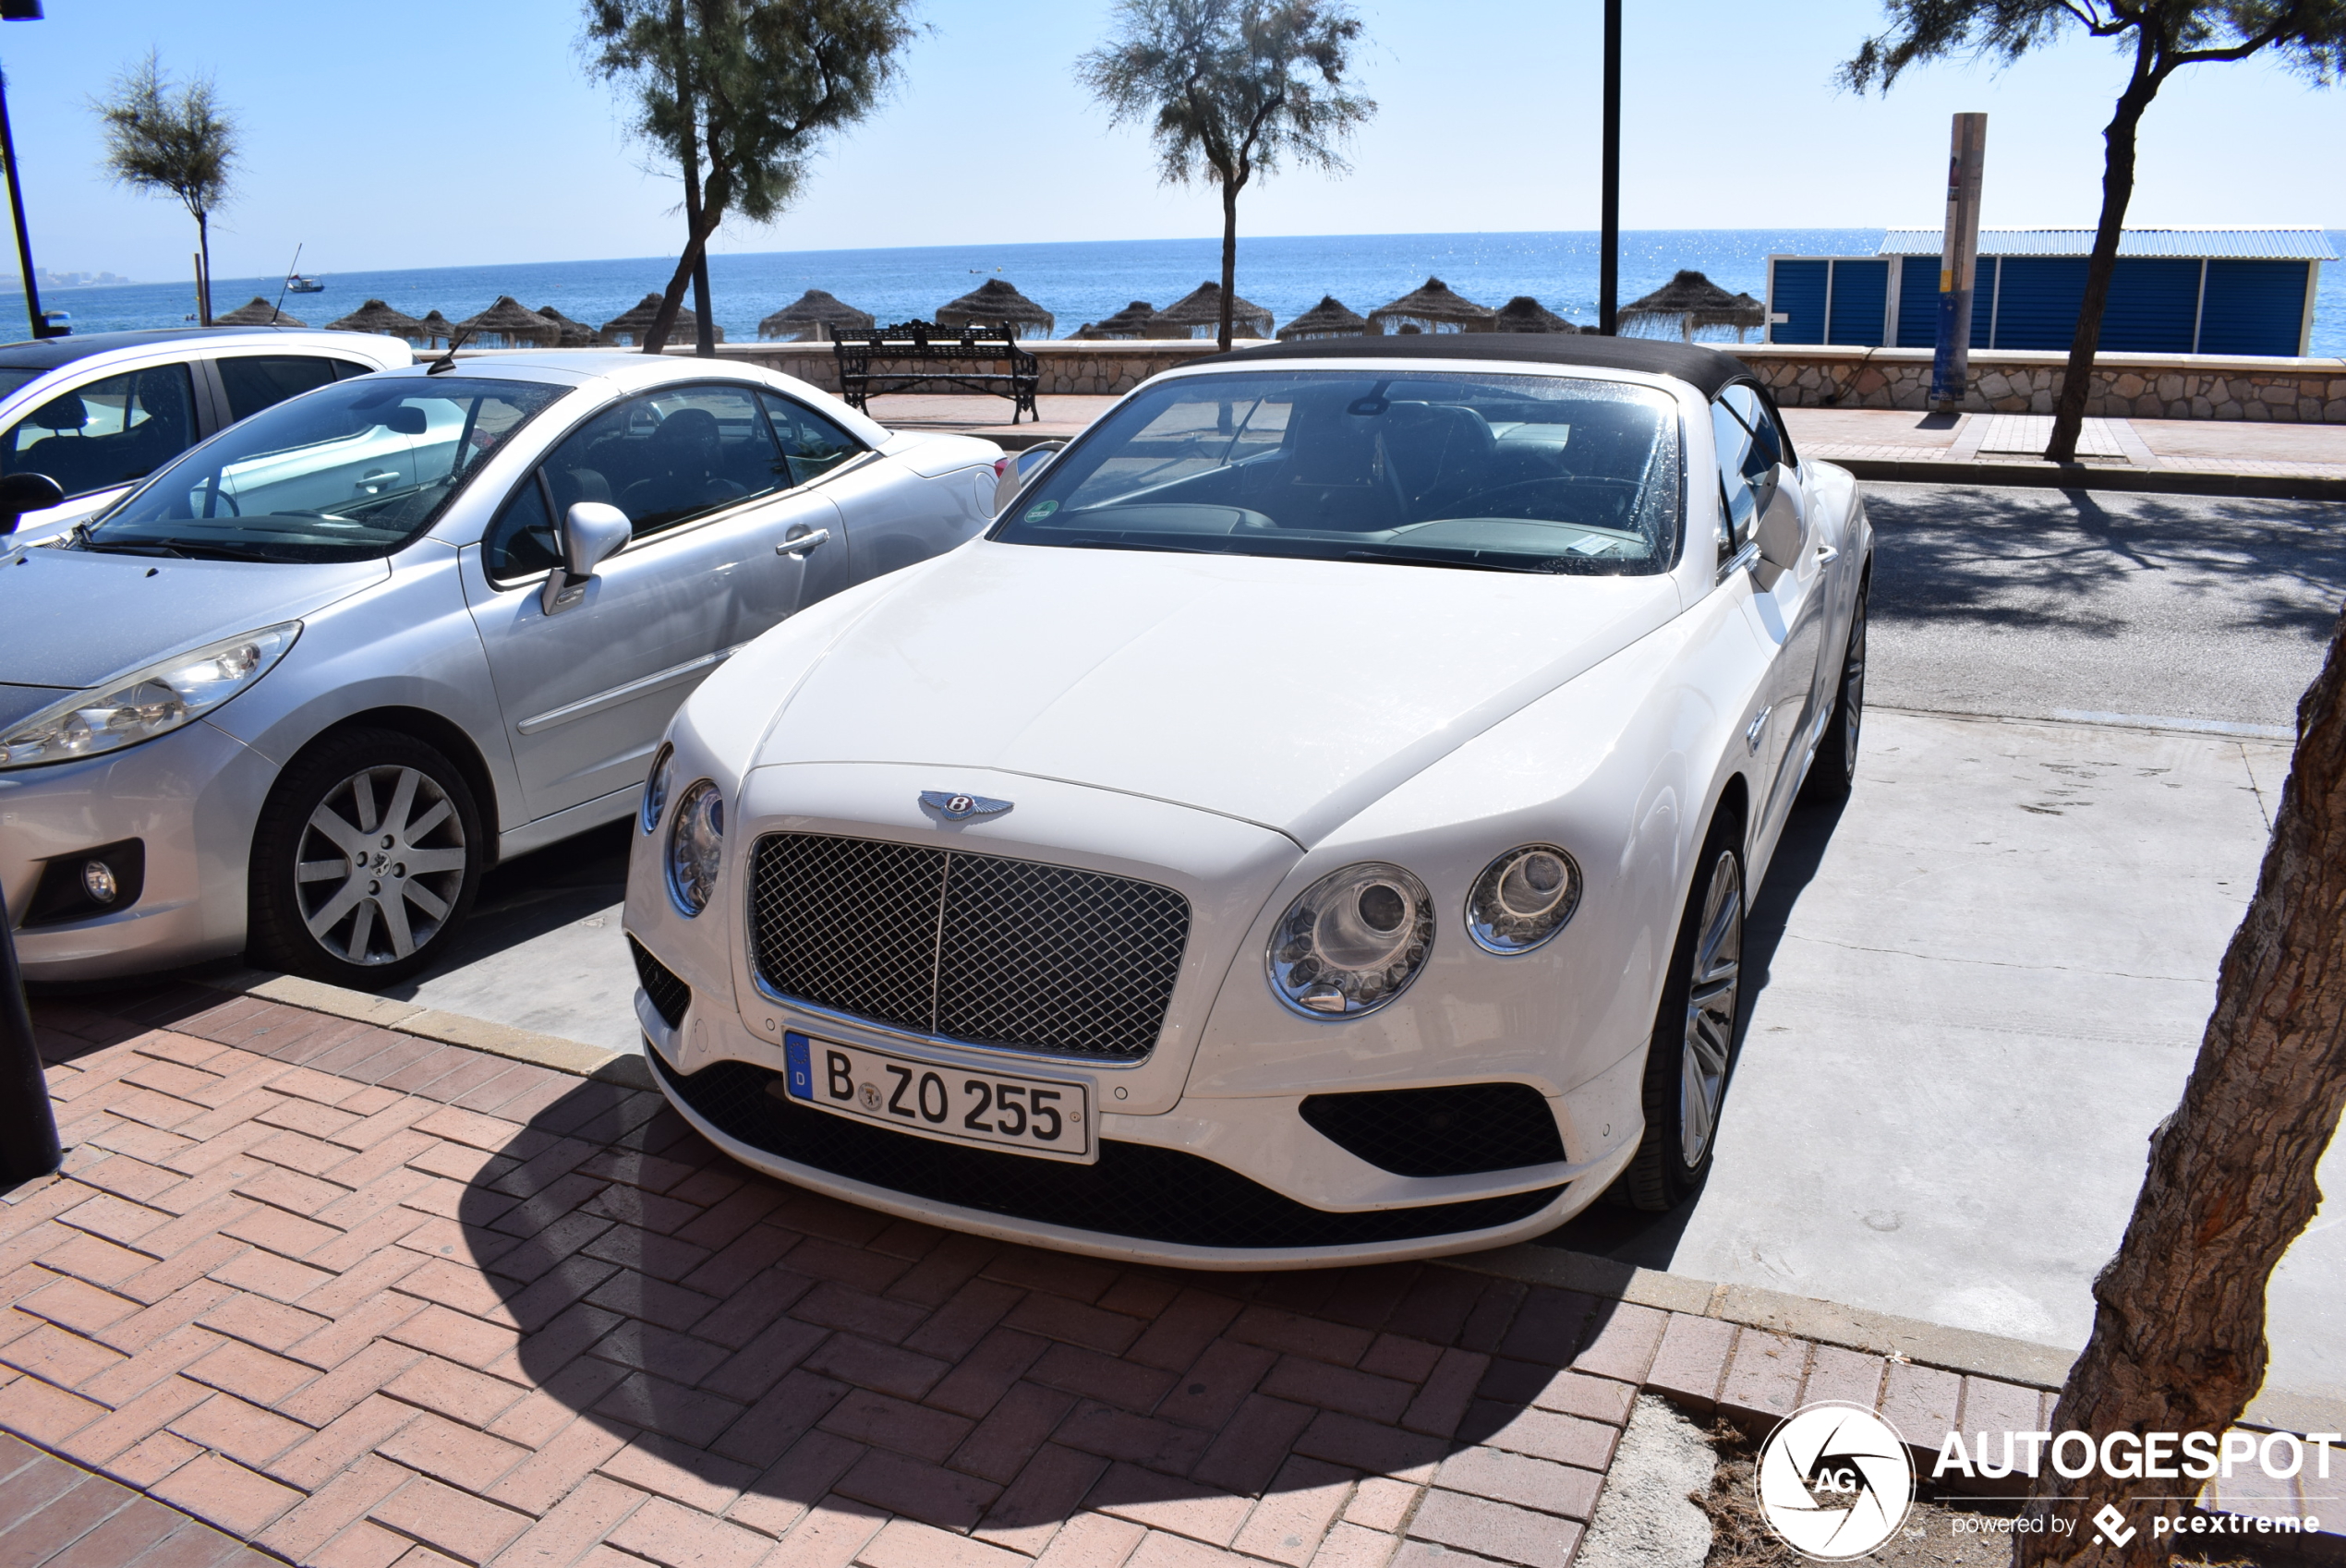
[2082,476]
[1911,1340]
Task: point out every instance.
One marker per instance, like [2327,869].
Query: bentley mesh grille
[977,947]
[1136,1190]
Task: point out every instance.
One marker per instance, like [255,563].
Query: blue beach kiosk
[2176,291]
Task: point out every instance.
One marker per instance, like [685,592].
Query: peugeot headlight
[146,702]
[696,847]
[1352,941]
[1522,898]
[656,787]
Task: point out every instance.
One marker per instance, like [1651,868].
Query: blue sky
[456,132]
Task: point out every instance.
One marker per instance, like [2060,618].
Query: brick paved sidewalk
[359,1297]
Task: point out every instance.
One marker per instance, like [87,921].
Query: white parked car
[1313,824]
[298,691]
[98,413]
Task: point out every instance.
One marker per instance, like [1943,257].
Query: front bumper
[192,796]
[1216,1183]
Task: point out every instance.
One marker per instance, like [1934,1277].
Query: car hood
[1289,693]
[72,618]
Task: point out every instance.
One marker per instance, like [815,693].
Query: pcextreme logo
[1834,1481]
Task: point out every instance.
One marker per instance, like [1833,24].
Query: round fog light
[97,880]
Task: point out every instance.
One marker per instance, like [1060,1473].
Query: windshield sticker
[1040,510]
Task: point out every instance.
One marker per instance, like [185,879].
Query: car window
[1740,461]
[105,433]
[1495,471]
[520,543]
[1760,420]
[350,472]
[812,444]
[255,381]
[669,456]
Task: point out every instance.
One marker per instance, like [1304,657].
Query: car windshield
[1506,472]
[348,472]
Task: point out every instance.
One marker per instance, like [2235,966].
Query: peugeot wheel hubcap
[1710,1011]
[381,863]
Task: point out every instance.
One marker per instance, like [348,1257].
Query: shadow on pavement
[534,895]
[737,1338]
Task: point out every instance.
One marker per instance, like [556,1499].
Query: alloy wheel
[382,860]
[1714,986]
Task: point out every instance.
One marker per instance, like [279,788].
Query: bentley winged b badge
[954,808]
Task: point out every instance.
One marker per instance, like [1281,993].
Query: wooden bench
[930,355]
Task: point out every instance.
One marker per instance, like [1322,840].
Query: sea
[1078,282]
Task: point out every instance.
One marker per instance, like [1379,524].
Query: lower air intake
[1463,1129]
[1135,1190]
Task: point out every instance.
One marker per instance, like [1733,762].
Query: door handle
[1827,555]
[379,476]
[1757,728]
[801,539]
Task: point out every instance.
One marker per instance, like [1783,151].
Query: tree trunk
[1229,257]
[705,328]
[2178,1322]
[203,281]
[664,321]
[2117,190]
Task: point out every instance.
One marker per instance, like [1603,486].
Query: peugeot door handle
[800,543]
[1827,555]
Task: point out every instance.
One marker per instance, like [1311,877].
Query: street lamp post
[1609,200]
[21,11]
[28,1127]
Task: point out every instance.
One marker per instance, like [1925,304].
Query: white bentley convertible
[1313,824]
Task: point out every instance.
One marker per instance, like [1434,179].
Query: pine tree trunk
[704,325]
[2117,191]
[1229,257]
[2179,1322]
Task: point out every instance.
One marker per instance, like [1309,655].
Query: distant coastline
[1078,280]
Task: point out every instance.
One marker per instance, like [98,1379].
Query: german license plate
[1032,1115]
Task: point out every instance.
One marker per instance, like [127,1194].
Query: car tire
[1694,1035]
[1835,768]
[365,860]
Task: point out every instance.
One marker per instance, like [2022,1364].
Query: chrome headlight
[656,787]
[146,702]
[696,847]
[1522,898]
[1352,941]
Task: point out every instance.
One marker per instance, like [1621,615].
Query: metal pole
[1958,263]
[1609,219]
[16,208]
[27,1127]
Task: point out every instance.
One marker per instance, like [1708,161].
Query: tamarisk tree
[738,95]
[1230,89]
[177,143]
[2159,38]
[2179,1315]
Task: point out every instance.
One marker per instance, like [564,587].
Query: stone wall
[2143,386]
[2190,386]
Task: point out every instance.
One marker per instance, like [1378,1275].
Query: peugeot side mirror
[592,532]
[20,493]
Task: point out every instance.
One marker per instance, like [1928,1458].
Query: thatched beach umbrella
[376,317]
[1199,312]
[260,313]
[509,324]
[1525,314]
[1433,309]
[814,317]
[1329,319]
[576,335]
[437,329]
[628,328]
[1688,301]
[996,303]
[1133,321]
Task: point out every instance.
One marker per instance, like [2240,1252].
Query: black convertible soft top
[1705,369]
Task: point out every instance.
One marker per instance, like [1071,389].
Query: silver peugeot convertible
[298,690]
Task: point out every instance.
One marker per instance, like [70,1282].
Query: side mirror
[20,493]
[591,534]
[1018,468]
[1780,530]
